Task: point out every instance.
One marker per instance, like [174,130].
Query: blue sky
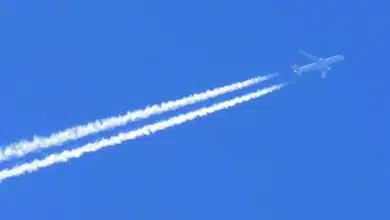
[316,149]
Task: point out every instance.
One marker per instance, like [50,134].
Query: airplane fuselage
[321,64]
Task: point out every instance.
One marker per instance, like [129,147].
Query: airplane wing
[312,57]
[323,74]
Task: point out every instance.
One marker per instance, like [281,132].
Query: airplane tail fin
[295,68]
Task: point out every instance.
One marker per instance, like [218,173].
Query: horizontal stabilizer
[295,68]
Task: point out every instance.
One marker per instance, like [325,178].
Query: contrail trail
[24,147]
[131,135]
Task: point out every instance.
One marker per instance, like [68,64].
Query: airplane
[319,63]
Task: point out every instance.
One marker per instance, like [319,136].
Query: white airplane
[319,63]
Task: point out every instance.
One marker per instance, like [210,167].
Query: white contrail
[24,147]
[121,137]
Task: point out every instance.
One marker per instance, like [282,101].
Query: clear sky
[316,149]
